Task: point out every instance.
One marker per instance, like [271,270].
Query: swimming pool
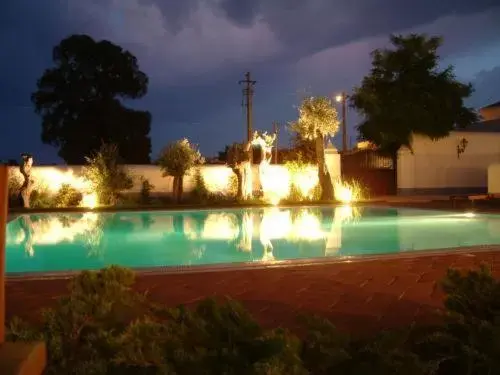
[70,242]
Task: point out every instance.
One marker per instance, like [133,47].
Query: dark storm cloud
[195,51]
[319,23]
[487,87]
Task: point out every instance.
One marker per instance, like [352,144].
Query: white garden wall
[435,168]
[216,177]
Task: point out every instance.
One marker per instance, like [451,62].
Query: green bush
[299,166]
[41,198]
[67,196]
[14,188]
[107,176]
[200,192]
[146,188]
[104,327]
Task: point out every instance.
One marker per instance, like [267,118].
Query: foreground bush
[104,327]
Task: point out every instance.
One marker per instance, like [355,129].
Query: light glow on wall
[217,179]
[345,192]
[53,178]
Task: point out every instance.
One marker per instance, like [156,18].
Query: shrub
[296,167]
[176,159]
[41,198]
[200,191]
[104,327]
[469,341]
[14,187]
[145,194]
[67,196]
[108,178]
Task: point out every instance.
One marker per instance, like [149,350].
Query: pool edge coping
[260,265]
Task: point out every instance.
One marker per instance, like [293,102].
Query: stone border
[293,263]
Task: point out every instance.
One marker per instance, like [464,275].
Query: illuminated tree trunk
[239,178]
[247,184]
[177,188]
[324,177]
[27,186]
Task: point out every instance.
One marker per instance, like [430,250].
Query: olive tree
[239,160]
[176,159]
[317,120]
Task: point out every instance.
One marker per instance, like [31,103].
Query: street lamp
[342,98]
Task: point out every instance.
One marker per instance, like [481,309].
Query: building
[457,164]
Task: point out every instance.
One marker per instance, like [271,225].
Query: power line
[248,102]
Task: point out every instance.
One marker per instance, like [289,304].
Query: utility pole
[276,130]
[248,96]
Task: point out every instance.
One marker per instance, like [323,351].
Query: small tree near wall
[317,120]
[176,159]
[107,176]
[238,159]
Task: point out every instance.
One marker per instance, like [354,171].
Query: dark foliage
[104,327]
[67,196]
[406,93]
[79,101]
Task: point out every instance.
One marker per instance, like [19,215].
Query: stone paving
[359,297]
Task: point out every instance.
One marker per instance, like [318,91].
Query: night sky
[195,51]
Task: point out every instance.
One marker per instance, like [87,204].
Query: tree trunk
[394,187]
[239,178]
[180,188]
[325,180]
[177,188]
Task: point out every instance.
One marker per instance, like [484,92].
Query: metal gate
[375,172]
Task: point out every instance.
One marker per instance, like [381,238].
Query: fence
[373,171]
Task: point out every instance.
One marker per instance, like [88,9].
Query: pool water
[63,242]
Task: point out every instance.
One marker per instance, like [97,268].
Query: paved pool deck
[359,297]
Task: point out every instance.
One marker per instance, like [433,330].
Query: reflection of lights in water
[346,213]
[246,233]
[222,225]
[307,226]
[469,214]
[52,231]
[275,224]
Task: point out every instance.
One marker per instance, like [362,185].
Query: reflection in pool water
[54,242]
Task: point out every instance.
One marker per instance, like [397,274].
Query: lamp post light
[342,98]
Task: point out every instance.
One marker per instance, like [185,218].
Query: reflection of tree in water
[94,235]
[92,238]
[147,220]
[27,227]
[244,223]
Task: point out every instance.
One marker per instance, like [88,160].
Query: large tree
[317,120]
[79,101]
[406,93]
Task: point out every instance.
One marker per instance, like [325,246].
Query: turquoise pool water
[63,242]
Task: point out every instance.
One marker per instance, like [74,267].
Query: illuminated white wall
[494,179]
[216,177]
[435,168]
